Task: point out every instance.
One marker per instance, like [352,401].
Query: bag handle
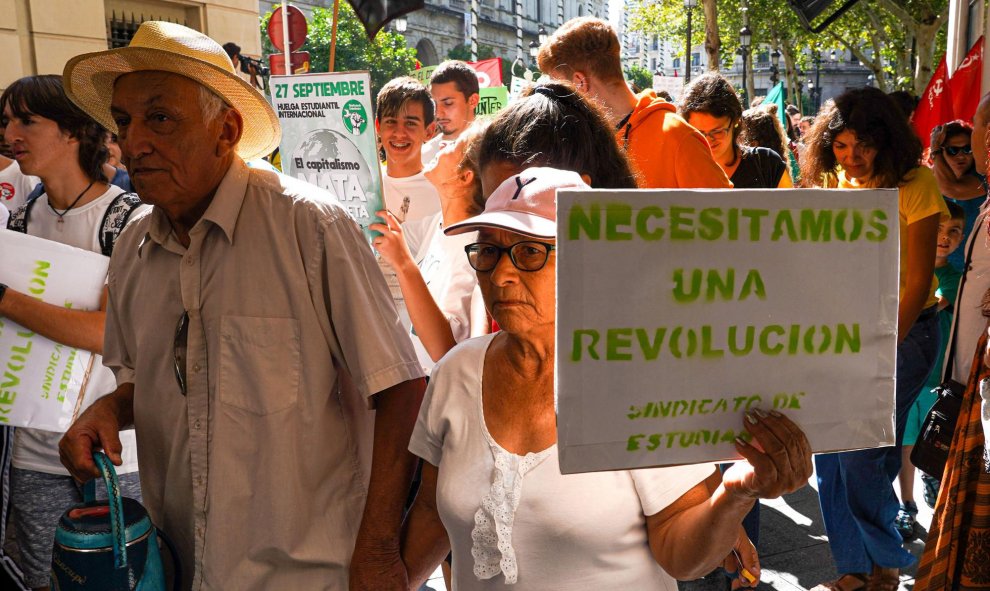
[115,503]
[950,355]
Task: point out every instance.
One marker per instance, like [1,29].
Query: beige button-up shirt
[259,474]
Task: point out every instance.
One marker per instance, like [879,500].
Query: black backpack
[114,219]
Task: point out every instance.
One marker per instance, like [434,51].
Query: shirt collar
[222,212]
[226,205]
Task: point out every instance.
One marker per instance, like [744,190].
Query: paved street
[793,546]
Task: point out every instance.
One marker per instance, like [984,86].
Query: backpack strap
[115,219]
[19,217]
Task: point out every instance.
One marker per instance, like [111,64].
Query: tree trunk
[924,30]
[790,75]
[750,80]
[925,34]
[713,44]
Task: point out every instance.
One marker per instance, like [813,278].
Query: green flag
[776,96]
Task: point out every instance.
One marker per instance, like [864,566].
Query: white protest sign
[328,138]
[672,84]
[677,311]
[41,379]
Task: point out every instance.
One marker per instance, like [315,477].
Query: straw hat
[168,47]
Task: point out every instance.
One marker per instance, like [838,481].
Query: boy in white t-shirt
[404,123]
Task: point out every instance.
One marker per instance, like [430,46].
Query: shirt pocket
[259,363]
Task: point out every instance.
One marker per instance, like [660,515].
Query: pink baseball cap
[525,203]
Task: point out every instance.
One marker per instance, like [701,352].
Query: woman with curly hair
[761,127]
[711,105]
[861,141]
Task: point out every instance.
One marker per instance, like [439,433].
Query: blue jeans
[856,487]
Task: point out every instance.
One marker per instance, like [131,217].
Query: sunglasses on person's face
[956,150]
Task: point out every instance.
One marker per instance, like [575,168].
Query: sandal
[884,579]
[904,523]
[847,582]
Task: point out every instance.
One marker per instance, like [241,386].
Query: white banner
[677,311]
[41,379]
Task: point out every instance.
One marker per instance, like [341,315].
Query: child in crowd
[405,123]
[432,268]
[950,236]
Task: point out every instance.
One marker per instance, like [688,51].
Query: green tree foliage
[463,52]
[386,57]
[879,33]
[639,76]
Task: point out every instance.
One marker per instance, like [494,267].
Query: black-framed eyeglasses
[179,346]
[528,255]
[716,134]
[956,150]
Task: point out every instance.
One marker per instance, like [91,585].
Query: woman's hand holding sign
[778,458]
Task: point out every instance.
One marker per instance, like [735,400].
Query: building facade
[834,72]
[39,36]
[444,24]
[967,22]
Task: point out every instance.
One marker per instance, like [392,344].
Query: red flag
[964,86]
[489,72]
[935,107]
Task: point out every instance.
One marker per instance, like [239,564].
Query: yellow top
[918,198]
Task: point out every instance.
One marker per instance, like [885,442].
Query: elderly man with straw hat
[251,334]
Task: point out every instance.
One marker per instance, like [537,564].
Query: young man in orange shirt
[662,147]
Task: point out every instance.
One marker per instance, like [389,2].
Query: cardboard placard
[41,379]
[328,138]
[491,101]
[678,310]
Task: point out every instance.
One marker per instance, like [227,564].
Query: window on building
[653,64]
[656,42]
[763,58]
[122,27]
[125,16]
[676,63]
[695,59]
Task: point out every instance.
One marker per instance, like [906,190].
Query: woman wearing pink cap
[492,489]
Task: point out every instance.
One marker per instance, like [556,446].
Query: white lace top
[515,520]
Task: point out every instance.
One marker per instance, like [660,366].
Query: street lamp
[833,56]
[543,35]
[534,49]
[400,24]
[774,67]
[815,92]
[745,38]
[688,6]
[816,88]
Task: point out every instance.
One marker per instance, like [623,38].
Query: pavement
[793,548]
